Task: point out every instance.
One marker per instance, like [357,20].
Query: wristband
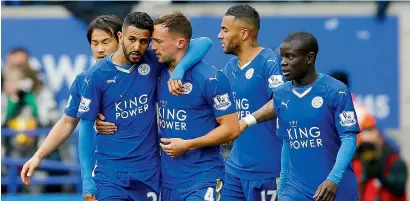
[250,120]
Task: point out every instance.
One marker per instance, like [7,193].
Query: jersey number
[265,194]
[152,195]
[209,195]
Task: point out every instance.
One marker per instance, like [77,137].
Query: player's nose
[100,49]
[220,35]
[283,62]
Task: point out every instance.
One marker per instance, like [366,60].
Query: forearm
[265,113]
[284,166]
[58,134]
[222,134]
[344,157]
[86,146]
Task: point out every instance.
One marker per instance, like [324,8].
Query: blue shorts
[123,186]
[236,189]
[205,191]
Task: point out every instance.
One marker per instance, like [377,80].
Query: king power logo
[303,137]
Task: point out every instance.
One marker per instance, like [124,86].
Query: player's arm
[265,113]
[86,147]
[198,47]
[88,110]
[197,50]
[58,134]
[347,127]
[284,166]
[219,97]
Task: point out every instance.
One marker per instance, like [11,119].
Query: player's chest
[192,98]
[309,107]
[128,86]
[246,82]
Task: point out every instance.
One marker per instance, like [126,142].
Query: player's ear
[311,58]
[119,34]
[182,43]
[244,34]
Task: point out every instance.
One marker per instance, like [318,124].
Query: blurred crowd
[26,104]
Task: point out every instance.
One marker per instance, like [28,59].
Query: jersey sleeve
[197,50]
[344,112]
[273,74]
[74,100]
[218,94]
[91,94]
[280,126]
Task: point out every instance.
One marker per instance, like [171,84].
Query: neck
[178,57]
[309,78]
[247,52]
[119,57]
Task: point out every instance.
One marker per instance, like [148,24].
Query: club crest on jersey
[222,102]
[347,118]
[249,73]
[187,88]
[275,81]
[84,105]
[317,102]
[144,69]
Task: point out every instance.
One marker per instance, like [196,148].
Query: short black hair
[140,20]
[308,42]
[341,76]
[246,13]
[108,23]
[17,50]
[176,23]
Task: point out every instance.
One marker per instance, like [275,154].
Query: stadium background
[375,54]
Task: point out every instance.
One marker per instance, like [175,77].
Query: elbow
[207,42]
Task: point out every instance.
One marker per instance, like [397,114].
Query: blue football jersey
[207,96]
[256,153]
[312,118]
[126,97]
[75,96]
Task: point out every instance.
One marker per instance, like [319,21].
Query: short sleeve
[75,96]
[273,74]
[219,94]
[91,94]
[344,112]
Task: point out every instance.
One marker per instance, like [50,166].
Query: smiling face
[134,43]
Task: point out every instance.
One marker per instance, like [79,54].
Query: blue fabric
[284,166]
[197,50]
[238,189]
[344,156]
[86,147]
[205,190]
[120,186]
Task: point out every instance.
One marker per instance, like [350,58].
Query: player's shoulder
[270,55]
[231,63]
[100,68]
[205,70]
[284,88]
[331,84]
